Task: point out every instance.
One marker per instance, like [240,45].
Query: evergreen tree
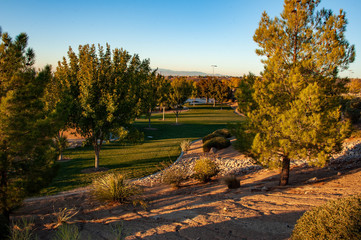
[25,132]
[295,108]
[104,87]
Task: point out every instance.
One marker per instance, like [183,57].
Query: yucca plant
[113,187]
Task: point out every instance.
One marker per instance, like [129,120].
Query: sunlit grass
[134,161]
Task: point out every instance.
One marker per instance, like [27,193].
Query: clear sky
[188,35]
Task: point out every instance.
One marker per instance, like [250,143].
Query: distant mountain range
[168,72]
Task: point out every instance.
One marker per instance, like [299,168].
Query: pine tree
[25,131]
[295,106]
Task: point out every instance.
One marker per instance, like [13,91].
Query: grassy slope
[142,159]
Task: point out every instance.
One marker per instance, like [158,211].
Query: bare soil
[260,209]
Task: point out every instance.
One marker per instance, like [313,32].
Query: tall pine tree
[295,110]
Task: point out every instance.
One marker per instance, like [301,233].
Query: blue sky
[188,35]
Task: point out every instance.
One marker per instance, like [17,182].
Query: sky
[181,35]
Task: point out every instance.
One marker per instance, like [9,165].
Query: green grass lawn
[142,159]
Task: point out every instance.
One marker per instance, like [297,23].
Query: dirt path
[258,210]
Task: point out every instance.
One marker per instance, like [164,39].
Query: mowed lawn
[161,144]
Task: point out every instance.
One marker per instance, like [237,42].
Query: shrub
[216,142]
[185,145]
[67,232]
[231,181]
[218,133]
[204,169]
[22,229]
[64,215]
[337,219]
[174,176]
[223,132]
[113,187]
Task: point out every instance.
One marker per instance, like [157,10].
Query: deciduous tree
[180,90]
[104,86]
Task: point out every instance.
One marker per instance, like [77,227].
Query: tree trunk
[150,114]
[96,150]
[214,102]
[4,214]
[60,157]
[176,118]
[285,171]
[163,112]
[194,99]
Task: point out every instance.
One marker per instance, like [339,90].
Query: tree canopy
[295,107]
[104,86]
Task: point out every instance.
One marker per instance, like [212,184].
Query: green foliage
[104,86]
[113,187]
[337,219]
[231,181]
[216,142]
[22,229]
[134,136]
[173,176]
[67,232]
[351,107]
[218,133]
[205,169]
[294,109]
[243,135]
[180,90]
[25,129]
[118,230]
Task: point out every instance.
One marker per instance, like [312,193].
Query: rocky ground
[260,209]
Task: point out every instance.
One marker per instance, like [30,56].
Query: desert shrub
[218,133]
[337,219]
[231,181]
[67,232]
[22,229]
[173,176]
[185,145]
[216,142]
[204,169]
[113,187]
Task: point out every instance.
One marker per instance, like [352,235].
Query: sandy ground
[258,210]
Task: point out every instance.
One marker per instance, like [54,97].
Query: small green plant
[185,145]
[67,232]
[134,136]
[231,181]
[113,187]
[118,230]
[22,229]
[174,176]
[64,215]
[337,219]
[205,169]
[216,142]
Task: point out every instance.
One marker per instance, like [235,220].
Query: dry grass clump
[67,232]
[337,219]
[174,176]
[185,145]
[114,187]
[22,229]
[231,181]
[204,169]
